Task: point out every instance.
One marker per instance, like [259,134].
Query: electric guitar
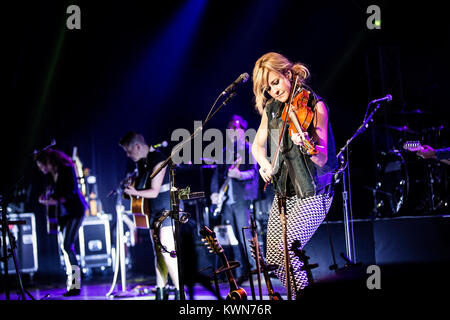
[236,293]
[223,197]
[415,146]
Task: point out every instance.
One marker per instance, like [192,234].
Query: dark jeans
[238,216]
[69,232]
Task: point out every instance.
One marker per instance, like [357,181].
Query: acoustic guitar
[139,207]
[52,213]
[210,239]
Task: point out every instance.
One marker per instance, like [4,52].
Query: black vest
[297,173]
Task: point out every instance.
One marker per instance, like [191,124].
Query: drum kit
[406,184]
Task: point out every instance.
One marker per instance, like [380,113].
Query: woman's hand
[215,198]
[266,172]
[298,139]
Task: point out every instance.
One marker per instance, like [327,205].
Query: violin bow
[291,96]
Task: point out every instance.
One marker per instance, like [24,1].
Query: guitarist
[439,154]
[70,205]
[242,189]
[157,193]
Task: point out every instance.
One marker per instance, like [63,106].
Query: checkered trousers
[304,216]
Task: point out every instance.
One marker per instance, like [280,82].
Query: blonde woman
[305,181]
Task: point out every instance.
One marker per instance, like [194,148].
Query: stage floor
[401,288]
[92,290]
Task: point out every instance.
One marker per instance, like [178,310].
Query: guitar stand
[216,290]
[296,245]
[257,271]
[232,265]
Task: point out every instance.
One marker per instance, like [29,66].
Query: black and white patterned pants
[303,217]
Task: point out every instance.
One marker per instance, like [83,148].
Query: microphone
[387,98]
[158,145]
[52,143]
[241,79]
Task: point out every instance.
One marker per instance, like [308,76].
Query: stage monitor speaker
[26,242]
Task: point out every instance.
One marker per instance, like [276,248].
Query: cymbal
[413,112]
[402,129]
[208,166]
[191,166]
[209,160]
[439,128]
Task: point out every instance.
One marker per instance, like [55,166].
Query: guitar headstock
[412,146]
[210,240]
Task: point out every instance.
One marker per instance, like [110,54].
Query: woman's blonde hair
[273,61]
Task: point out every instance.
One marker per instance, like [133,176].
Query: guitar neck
[225,184]
[226,264]
[268,282]
[265,272]
[227,180]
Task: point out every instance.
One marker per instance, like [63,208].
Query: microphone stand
[282,198]
[12,243]
[348,223]
[120,247]
[177,195]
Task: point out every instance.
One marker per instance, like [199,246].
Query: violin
[300,117]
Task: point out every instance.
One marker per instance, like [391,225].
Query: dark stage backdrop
[135,65]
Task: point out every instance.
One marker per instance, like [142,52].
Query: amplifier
[26,244]
[94,241]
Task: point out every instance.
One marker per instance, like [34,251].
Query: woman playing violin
[301,168]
